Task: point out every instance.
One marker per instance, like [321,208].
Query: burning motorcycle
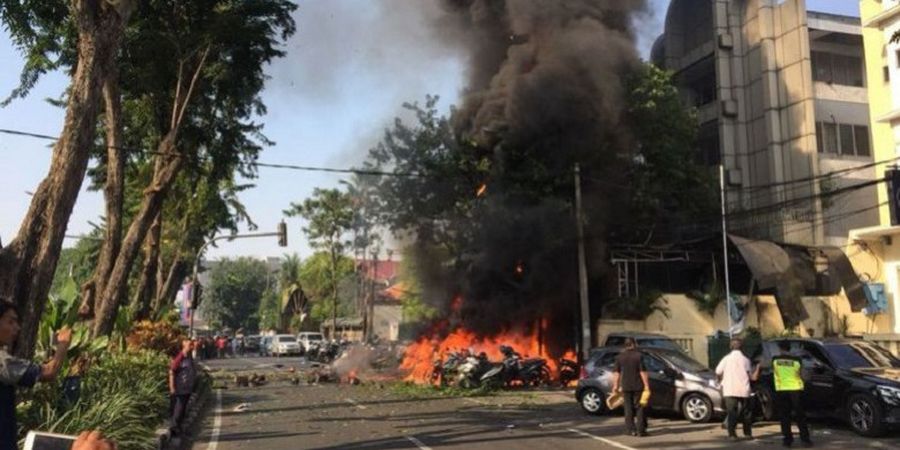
[443,371]
[471,370]
[568,371]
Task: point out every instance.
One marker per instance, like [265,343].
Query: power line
[257,164]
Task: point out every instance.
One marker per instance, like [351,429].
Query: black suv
[851,380]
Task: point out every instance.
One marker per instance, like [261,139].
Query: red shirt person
[182,375]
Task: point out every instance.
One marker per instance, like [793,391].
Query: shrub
[163,336]
[123,394]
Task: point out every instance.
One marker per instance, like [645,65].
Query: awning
[791,271]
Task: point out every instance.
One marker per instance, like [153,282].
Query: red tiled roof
[383,270]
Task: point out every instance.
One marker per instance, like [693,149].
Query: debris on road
[242,407]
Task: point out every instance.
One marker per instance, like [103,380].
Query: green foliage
[669,188]
[123,395]
[77,262]
[637,308]
[233,296]
[415,308]
[708,299]
[319,284]
[415,391]
[269,311]
[62,311]
[330,216]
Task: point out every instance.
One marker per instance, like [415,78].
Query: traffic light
[282,234]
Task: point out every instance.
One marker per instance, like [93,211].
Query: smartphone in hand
[36,440]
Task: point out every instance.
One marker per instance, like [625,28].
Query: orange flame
[481,190]
[418,360]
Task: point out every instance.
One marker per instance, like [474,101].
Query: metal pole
[582,271]
[725,248]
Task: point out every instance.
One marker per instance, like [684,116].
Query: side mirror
[672,373]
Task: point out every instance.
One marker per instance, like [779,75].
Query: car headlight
[712,383]
[890,395]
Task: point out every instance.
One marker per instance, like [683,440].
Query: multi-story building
[782,100]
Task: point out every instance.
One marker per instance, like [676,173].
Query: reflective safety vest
[786,371]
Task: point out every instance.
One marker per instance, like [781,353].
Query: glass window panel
[846,132]
[863,147]
[887,74]
[821,66]
[819,138]
[855,71]
[841,70]
[829,130]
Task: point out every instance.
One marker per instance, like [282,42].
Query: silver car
[679,383]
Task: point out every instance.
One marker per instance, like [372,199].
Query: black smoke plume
[546,89]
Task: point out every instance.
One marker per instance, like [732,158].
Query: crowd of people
[735,373]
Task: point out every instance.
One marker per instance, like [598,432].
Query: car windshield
[684,362]
[667,344]
[860,355]
[286,339]
[313,337]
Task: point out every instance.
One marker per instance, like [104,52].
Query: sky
[347,72]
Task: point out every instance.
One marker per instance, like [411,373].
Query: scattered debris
[242,407]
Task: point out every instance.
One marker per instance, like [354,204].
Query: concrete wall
[387,321]
[691,328]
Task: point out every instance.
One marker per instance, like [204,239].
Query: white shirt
[735,370]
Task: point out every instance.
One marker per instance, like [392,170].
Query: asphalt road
[376,415]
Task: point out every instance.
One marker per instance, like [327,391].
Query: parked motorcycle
[471,370]
[505,372]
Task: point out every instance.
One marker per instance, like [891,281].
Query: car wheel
[697,408]
[766,400]
[593,401]
[865,415]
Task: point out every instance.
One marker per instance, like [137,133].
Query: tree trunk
[147,285]
[114,194]
[28,264]
[166,292]
[168,163]
[116,289]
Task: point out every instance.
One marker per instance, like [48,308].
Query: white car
[284,344]
[306,338]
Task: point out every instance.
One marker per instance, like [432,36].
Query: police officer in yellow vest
[786,370]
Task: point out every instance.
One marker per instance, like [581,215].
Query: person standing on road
[735,373]
[786,371]
[15,372]
[182,374]
[220,346]
[632,380]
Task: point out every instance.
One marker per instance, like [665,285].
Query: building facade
[781,95]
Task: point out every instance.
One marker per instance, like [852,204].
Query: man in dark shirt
[632,380]
[182,374]
[15,372]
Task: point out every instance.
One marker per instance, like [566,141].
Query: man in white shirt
[735,373]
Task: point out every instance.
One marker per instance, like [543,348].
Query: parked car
[265,345]
[284,344]
[306,339]
[643,340]
[251,344]
[851,380]
[679,383]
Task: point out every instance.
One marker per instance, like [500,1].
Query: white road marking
[355,403]
[418,443]
[217,424]
[601,439]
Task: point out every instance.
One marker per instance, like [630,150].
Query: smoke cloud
[546,89]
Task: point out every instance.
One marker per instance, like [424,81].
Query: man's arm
[51,369]
[645,377]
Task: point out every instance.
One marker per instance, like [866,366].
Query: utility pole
[582,271]
[725,248]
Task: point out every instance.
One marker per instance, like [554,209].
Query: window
[652,364]
[863,147]
[843,139]
[846,135]
[838,69]
[887,74]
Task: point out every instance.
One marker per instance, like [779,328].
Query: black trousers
[178,406]
[739,408]
[789,406]
[633,408]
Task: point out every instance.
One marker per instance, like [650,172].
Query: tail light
[583,373]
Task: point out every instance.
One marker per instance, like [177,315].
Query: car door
[662,383]
[819,377]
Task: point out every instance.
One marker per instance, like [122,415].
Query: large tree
[232,299]
[329,215]
[197,69]
[84,36]
[321,283]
